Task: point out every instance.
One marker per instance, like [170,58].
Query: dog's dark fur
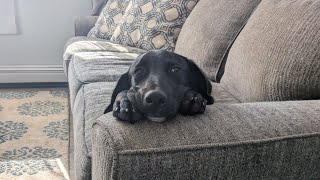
[158,85]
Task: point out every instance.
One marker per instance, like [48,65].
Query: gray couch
[264,62]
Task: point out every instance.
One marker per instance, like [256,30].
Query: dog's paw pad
[192,103]
[124,111]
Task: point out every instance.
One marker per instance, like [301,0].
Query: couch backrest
[97,6]
[277,54]
[210,30]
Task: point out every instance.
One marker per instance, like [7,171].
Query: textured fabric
[101,66]
[97,96]
[82,160]
[91,101]
[69,51]
[230,141]
[84,44]
[76,39]
[97,6]
[74,86]
[276,56]
[94,60]
[210,30]
[89,104]
[220,95]
[153,24]
[109,19]
[88,67]
[83,24]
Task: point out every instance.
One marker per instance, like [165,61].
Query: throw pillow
[109,18]
[276,56]
[153,24]
[210,30]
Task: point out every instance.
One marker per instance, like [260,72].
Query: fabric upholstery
[90,103]
[82,164]
[210,30]
[97,6]
[230,141]
[69,51]
[75,39]
[83,24]
[88,67]
[97,97]
[85,44]
[276,56]
[221,96]
[152,24]
[101,66]
[109,19]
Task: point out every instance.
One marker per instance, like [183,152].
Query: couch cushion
[221,96]
[91,44]
[210,30]
[152,24]
[276,56]
[84,44]
[96,97]
[88,67]
[109,18]
[101,66]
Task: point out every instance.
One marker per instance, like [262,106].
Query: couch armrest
[83,24]
[234,141]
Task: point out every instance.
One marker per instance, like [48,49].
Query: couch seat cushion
[96,97]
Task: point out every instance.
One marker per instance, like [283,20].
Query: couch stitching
[216,145]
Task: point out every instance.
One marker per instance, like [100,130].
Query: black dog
[158,85]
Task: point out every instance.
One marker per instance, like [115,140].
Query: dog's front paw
[192,103]
[123,109]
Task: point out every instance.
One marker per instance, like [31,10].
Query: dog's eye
[175,69]
[137,71]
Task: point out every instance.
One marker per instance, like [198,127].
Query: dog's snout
[155,98]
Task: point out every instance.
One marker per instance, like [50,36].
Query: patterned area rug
[34,131]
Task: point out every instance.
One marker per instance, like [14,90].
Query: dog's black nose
[155,98]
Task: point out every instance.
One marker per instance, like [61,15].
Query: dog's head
[156,83]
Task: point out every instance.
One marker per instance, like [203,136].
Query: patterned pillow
[109,18]
[153,24]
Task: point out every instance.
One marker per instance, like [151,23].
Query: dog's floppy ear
[122,84]
[199,82]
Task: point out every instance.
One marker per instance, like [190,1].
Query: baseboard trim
[31,73]
[35,85]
